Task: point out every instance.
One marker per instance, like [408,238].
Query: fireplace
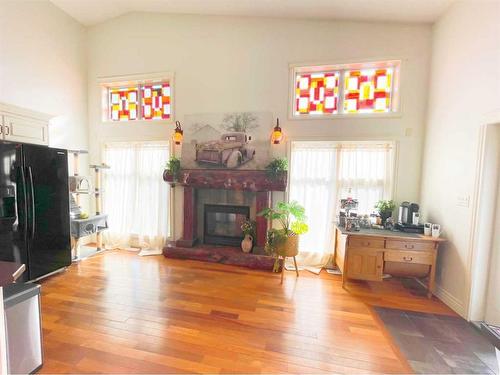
[222,224]
[230,196]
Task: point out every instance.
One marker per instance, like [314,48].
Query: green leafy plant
[277,168]
[291,217]
[174,167]
[385,208]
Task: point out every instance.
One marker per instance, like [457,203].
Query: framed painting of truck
[227,141]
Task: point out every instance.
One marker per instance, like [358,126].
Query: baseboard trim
[451,301]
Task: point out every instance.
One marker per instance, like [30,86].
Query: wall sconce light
[178,133]
[277,136]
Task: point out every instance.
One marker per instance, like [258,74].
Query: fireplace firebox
[222,224]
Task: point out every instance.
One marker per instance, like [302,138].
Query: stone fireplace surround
[208,186]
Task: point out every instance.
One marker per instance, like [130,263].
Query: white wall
[464,87]
[226,64]
[43,67]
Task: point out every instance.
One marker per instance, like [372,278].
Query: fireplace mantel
[242,180]
[239,180]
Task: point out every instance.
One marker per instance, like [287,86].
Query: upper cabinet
[22,125]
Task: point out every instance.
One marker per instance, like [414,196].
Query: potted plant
[385,208]
[174,168]
[248,229]
[284,242]
[277,168]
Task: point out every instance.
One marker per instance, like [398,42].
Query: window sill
[138,122]
[343,116]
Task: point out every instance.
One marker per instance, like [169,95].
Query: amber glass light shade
[178,133]
[277,135]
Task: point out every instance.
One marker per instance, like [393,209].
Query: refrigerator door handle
[32,202]
[25,200]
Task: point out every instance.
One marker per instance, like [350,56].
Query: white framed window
[319,91]
[135,197]
[145,98]
[322,172]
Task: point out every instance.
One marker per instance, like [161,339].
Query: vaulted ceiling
[91,12]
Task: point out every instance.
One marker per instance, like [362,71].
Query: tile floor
[439,344]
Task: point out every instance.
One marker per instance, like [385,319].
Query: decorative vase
[247,243]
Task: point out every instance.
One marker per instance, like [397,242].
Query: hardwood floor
[120,313]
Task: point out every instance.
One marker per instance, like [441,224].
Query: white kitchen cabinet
[21,125]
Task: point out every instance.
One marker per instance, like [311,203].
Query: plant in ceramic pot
[284,241]
[174,168]
[277,168]
[385,209]
[248,229]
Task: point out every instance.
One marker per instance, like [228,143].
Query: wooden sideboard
[370,253]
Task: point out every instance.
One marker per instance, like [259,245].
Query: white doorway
[492,315]
[484,303]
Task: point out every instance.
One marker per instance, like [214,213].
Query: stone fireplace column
[189,230]
[263,200]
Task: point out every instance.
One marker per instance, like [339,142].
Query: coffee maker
[405,218]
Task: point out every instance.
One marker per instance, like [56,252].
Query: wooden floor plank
[120,313]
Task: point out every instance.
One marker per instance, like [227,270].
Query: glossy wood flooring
[120,313]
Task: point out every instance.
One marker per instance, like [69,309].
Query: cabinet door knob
[407,259]
[7,130]
[1,129]
[409,246]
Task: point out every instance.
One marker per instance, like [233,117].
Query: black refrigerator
[34,208]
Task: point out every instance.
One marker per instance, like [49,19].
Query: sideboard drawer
[360,242]
[416,257]
[409,245]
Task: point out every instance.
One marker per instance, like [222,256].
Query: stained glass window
[316,93]
[155,101]
[139,101]
[345,89]
[368,90]
[123,103]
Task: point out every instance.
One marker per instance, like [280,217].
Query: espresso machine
[406,222]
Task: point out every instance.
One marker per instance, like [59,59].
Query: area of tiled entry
[439,343]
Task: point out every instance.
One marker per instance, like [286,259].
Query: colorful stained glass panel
[123,103]
[368,90]
[316,93]
[155,101]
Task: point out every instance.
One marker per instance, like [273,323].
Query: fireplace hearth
[222,224]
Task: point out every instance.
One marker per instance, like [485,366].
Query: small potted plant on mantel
[276,170]
[284,242]
[174,168]
[385,209]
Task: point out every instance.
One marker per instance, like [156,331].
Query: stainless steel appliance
[406,210]
[34,208]
[405,218]
[23,328]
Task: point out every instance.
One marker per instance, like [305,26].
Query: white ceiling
[91,12]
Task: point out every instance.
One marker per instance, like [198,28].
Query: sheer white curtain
[365,173]
[312,184]
[321,173]
[135,197]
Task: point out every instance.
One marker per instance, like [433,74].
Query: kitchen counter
[396,234]
[10,272]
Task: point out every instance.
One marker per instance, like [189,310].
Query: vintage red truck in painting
[230,151]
